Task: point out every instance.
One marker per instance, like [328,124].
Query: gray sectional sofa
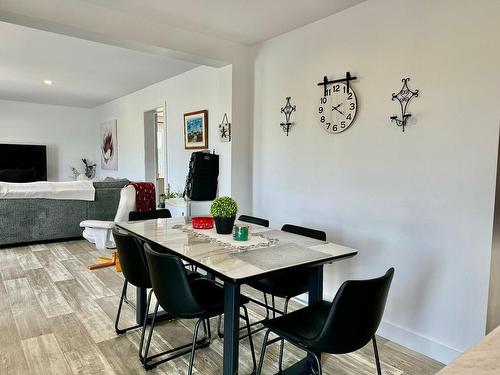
[37,220]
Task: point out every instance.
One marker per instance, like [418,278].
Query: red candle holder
[202,222]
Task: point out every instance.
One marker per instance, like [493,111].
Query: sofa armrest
[97,224]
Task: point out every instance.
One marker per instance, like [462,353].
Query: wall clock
[338,105]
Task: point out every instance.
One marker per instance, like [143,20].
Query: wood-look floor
[57,317]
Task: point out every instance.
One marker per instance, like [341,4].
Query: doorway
[155,148]
[493,317]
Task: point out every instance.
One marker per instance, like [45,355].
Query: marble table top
[482,359]
[235,263]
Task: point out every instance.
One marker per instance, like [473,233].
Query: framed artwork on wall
[196,130]
[109,146]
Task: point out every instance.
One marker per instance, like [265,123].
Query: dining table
[267,252]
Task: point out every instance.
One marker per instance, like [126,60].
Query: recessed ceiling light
[48,82]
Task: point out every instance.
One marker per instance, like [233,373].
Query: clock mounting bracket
[327,82]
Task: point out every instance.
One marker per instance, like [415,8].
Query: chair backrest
[149,215]
[132,259]
[355,314]
[126,204]
[171,284]
[254,220]
[302,231]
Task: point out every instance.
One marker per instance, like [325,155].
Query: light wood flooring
[57,317]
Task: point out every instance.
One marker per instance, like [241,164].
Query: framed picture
[196,130]
[109,146]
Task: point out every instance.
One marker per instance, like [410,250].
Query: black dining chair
[289,285]
[254,220]
[149,215]
[135,272]
[343,326]
[185,298]
[292,284]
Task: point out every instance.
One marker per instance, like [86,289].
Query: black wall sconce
[287,110]
[404,96]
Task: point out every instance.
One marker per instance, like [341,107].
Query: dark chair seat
[301,326]
[210,296]
[343,326]
[283,286]
[185,297]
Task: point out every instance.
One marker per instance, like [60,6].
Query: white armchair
[99,232]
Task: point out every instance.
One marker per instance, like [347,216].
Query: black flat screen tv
[23,163]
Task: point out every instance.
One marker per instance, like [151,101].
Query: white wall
[68,132]
[91,21]
[421,201]
[200,88]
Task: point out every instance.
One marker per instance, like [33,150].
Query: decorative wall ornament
[404,96]
[196,130]
[225,129]
[338,105]
[88,173]
[109,145]
[287,110]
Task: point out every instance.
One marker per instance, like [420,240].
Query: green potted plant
[224,211]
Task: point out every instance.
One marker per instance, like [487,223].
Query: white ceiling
[243,21]
[85,74]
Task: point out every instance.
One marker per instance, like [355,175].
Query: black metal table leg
[140,304]
[315,295]
[231,328]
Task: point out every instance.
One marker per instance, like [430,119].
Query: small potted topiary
[224,211]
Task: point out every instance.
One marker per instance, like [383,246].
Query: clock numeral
[328,92]
[336,88]
[342,124]
[328,125]
[320,109]
[323,100]
[349,117]
[352,106]
[323,119]
[334,127]
[349,96]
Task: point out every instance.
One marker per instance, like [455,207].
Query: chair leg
[151,329]
[274,308]
[219,321]
[263,352]
[207,329]
[141,344]
[282,344]
[193,348]
[377,358]
[267,307]
[123,299]
[250,339]
[318,364]
[124,292]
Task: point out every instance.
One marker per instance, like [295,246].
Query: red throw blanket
[145,196]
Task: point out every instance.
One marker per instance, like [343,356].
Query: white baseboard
[414,341]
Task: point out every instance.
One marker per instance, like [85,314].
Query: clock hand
[336,108]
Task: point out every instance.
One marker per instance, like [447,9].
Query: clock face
[337,110]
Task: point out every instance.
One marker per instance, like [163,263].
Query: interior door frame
[147,154]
